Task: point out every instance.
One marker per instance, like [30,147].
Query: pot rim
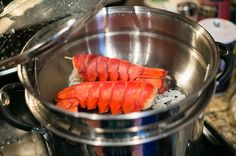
[22,71]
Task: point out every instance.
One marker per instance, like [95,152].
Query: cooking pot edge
[22,71]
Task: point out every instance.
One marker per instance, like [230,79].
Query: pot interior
[149,37]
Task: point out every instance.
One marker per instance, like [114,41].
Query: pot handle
[227,57]
[9,117]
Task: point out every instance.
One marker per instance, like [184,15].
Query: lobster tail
[154,73]
[93,67]
[68,104]
[117,96]
[65,93]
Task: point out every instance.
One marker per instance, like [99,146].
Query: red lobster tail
[146,96]
[102,68]
[154,73]
[113,65]
[78,62]
[118,96]
[95,67]
[93,95]
[69,104]
[131,96]
[105,96]
[90,72]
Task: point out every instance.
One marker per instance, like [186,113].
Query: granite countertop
[220,115]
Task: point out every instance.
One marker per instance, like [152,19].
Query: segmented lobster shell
[116,96]
[100,68]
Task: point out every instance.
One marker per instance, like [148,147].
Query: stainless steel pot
[150,37]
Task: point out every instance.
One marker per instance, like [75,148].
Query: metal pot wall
[150,37]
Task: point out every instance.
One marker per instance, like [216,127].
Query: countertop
[220,115]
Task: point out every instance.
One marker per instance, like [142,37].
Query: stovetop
[16,141]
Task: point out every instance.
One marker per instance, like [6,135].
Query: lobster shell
[116,96]
[92,68]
